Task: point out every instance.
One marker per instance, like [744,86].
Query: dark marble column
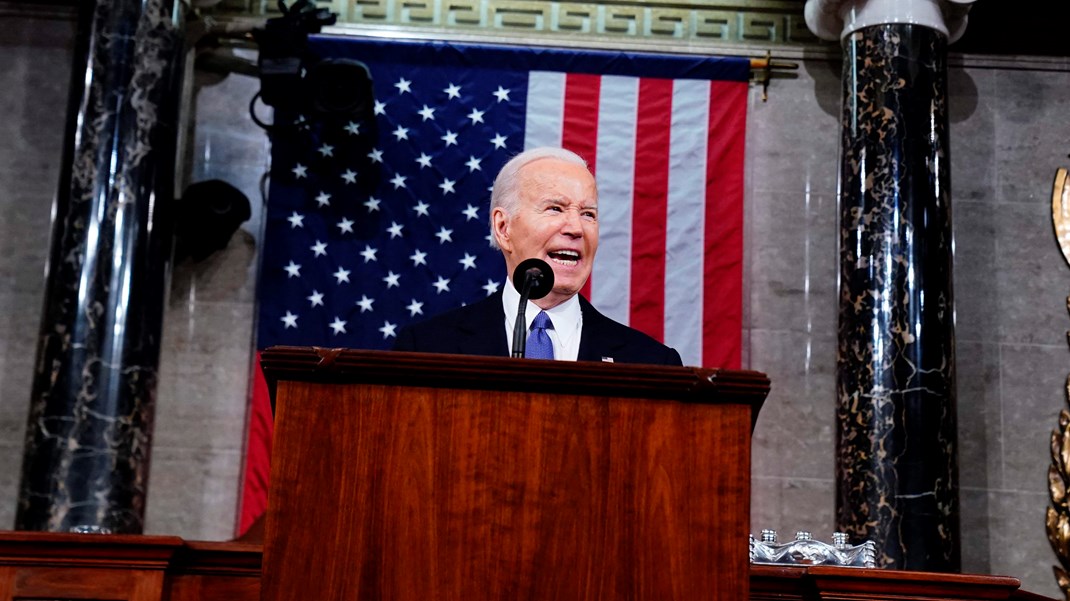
[896,464]
[87,443]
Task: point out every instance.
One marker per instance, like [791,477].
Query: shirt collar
[566,316]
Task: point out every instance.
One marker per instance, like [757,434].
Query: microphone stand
[520,340]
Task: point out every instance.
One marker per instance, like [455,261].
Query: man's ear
[501,229]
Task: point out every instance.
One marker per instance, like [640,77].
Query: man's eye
[590,215]
[555,209]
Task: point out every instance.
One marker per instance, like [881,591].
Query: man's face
[556,220]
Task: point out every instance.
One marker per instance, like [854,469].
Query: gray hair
[506,194]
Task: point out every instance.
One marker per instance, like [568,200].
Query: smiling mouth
[568,258]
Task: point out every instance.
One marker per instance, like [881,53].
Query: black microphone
[533,279]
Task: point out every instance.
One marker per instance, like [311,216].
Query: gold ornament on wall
[1060,210]
[1058,516]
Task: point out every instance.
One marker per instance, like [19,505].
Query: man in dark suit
[544,204]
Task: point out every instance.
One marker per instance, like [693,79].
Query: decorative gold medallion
[1058,518]
[1060,210]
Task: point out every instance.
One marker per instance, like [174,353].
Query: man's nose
[572,225]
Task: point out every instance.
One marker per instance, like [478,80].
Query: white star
[388,329]
[476,116]
[326,150]
[453,91]
[353,128]
[427,113]
[401,133]
[300,171]
[394,229]
[501,94]
[349,176]
[376,155]
[323,199]
[473,164]
[380,108]
[365,303]
[491,287]
[415,308]
[296,220]
[447,185]
[423,160]
[368,253]
[391,279]
[319,248]
[442,285]
[398,180]
[316,298]
[293,270]
[418,258]
[450,138]
[421,208]
[342,275]
[490,239]
[289,321]
[403,86]
[372,203]
[471,213]
[468,261]
[498,141]
[346,225]
[444,235]
[338,325]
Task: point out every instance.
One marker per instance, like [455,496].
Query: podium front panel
[391,491]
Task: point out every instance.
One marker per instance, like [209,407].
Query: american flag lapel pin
[607,359]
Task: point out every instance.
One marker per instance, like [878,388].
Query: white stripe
[686,218]
[617,105]
[546,109]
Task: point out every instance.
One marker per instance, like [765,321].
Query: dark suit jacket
[479,329]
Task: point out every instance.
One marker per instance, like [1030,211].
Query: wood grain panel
[35,565]
[214,571]
[684,384]
[826,583]
[420,492]
[86,583]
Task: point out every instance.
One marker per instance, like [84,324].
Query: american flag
[371,226]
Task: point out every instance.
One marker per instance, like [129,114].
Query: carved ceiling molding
[753,23]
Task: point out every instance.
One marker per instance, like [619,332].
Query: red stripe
[722,315]
[580,127]
[254,494]
[647,310]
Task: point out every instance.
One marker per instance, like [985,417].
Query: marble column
[896,460]
[86,461]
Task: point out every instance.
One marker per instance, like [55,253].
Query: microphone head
[538,276]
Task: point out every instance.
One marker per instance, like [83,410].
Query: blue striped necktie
[539,344]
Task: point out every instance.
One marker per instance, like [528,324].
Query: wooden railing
[163,568]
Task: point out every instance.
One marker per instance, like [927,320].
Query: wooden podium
[405,476]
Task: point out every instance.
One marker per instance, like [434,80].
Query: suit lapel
[482,331]
[596,338]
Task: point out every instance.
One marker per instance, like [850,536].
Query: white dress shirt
[566,317]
